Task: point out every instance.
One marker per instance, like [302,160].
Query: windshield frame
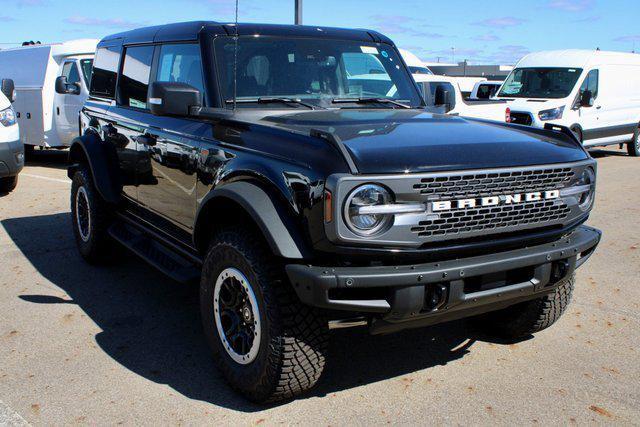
[578,71]
[325,101]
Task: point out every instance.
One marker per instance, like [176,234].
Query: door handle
[147,139]
[598,107]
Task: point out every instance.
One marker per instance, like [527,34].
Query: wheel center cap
[246,314]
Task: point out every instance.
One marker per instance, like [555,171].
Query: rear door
[171,144]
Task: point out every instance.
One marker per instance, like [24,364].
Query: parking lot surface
[123,344]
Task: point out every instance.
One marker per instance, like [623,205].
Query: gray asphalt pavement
[123,344]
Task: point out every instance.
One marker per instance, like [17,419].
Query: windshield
[315,71]
[540,82]
[87,68]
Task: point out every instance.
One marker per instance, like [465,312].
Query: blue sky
[480,31]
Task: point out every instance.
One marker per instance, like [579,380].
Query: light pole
[298,19]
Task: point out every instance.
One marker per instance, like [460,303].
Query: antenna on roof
[235,62]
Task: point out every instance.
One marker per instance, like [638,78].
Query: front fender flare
[277,226]
[102,162]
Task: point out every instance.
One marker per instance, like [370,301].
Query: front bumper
[11,152]
[403,296]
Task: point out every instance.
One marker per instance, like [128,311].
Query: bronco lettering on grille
[505,199]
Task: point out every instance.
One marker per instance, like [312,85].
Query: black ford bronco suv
[296,173]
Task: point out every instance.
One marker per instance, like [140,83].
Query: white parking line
[46,178]
[9,417]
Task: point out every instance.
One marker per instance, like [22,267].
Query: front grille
[521,118]
[464,186]
[495,218]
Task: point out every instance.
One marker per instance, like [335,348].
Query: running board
[177,267]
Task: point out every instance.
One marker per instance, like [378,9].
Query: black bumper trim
[407,283]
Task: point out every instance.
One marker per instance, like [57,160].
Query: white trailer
[46,106]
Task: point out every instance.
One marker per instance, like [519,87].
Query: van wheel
[633,146]
[91,217]
[267,345]
[8,184]
[526,318]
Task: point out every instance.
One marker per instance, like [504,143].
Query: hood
[533,105]
[410,141]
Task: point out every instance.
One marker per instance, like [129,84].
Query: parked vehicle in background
[467,84]
[443,93]
[485,90]
[52,83]
[415,64]
[11,149]
[244,157]
[594,93]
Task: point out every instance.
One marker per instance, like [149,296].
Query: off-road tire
[633,146]
[98,247]
[524,319]
[294,337]
[8,184]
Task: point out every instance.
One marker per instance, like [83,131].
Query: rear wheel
[91,217]
[633,146]
[268,345]
[533,316]
[8,184]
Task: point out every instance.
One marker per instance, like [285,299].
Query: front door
[67,106]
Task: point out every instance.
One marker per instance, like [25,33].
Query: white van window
[70,71]
[540,82]
[590,83]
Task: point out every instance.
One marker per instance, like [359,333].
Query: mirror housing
[173,99]
[64,88]
[586,99]
[9,89]
[442,97]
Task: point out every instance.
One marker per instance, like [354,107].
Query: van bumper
[400,297]
[11,153]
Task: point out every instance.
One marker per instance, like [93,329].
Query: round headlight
[588,178]
[357,219]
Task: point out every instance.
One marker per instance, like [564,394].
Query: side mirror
[586,99]
[9,89]
[173,99]
[442,97]
[63,87]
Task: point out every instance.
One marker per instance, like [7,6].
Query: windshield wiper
[369,101]
[271,100]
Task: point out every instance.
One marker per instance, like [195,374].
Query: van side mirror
[9,89]
[64,87]
[173,99]
[442,97]
[586,99]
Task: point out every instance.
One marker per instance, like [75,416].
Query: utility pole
[298,20]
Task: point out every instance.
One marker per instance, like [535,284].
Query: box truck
[52,83]
[594,93]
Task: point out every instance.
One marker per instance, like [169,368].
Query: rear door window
[134,81]
[105,72]
[181,63]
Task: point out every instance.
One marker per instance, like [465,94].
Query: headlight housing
[588,181]
[357,218]
[551,114]
[8,117]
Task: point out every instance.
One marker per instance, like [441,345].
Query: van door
[66,107]
[589,117]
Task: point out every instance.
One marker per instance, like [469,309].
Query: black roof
[186,31]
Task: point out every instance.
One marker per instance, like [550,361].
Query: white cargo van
[52,84]
[594,93]
[444,94]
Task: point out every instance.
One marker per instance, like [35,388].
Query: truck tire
[91,217]
[8,184]
[633,146]
[267,345]
[524,319]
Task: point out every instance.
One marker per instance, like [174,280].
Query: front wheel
[524,319]
[267,345]
[91,217]
[633,146]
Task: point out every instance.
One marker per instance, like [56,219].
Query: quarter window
[134,81]
[590,83]
[181,63]
[105,71]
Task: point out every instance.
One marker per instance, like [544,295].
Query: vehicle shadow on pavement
[151,325]
[55,159]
